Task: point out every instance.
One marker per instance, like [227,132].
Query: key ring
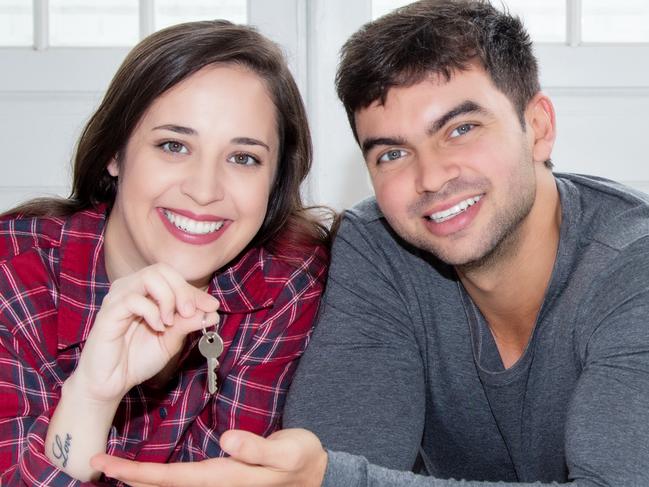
[204,323]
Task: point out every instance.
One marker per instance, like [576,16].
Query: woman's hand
[141,325]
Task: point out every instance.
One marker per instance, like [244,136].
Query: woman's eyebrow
[190,131]
[250,141]
[177,128]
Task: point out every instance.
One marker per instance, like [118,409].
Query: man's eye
[392,155]
[462,129]
[174,147]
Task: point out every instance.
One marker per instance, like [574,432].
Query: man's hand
[291,458]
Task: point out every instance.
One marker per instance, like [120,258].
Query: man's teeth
[442,216]
[192,226]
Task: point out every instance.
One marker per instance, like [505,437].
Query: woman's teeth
[442,216]
[192,226]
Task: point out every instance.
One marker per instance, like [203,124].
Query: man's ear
[540,120]
[113,167]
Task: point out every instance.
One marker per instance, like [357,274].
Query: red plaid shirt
[52,282]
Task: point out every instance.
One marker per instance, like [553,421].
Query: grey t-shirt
[402,359]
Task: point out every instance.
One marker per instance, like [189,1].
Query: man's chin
[459,259]
[463,259]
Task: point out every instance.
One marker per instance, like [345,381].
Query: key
[211,346]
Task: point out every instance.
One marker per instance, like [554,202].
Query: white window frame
[75,77]
[575,68]
[577,65]
[42,68]
[312,32]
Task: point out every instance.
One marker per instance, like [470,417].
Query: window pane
[382,7]
[620,21]
[96,23]
[169,12]
[16,25]
[545,20]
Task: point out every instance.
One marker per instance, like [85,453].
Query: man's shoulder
[365,234]
[365,225]
[363,221]
[366,211]
[611,213]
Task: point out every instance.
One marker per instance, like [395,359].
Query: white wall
[45,99]
[601,96]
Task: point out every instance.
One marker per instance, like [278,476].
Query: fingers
[183,326]
[187,298]
[135,473]
[174,296]
[143,474]
[297,453]
[259,470]
[252,449]
[154,284]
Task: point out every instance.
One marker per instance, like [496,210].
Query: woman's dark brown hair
[155,65]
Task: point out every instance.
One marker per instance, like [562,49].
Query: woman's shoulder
[20,233]
[288,255]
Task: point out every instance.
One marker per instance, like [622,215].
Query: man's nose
[432,173]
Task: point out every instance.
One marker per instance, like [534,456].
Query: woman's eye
[462,129]
[244,159]
[174,147]
[392,155]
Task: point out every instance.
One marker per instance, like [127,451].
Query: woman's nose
[204,182]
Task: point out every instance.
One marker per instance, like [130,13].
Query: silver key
[211,346]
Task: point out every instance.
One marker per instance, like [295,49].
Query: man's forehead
[434,81]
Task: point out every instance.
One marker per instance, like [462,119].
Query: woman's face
[195,177]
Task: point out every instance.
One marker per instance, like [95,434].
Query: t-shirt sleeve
[607,429]
[363,347]
[356,471]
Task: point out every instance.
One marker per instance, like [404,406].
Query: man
[485,319]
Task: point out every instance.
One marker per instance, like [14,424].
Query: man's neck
[510,290]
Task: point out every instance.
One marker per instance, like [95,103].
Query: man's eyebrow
[369,144]
[467,106]
[250,141]
[177,128]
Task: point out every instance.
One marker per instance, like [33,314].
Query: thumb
[250,448]
[183,326]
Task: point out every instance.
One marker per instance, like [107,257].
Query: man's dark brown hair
[436,37]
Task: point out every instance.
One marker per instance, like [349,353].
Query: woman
[185,208]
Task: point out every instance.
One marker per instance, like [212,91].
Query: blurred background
[58,56]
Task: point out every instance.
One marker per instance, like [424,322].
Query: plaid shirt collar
[84,282]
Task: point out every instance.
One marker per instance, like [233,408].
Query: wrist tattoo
[61,449]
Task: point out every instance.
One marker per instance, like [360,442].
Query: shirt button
[163,413]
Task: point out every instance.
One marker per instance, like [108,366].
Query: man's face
[451,165]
